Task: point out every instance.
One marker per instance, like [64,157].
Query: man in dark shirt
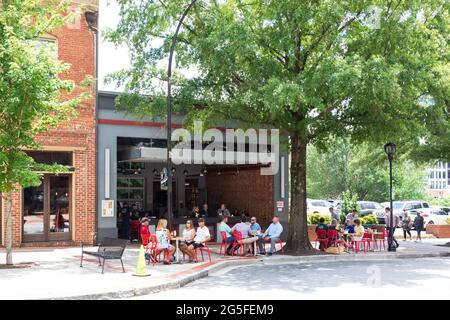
[321,225]
[324,227]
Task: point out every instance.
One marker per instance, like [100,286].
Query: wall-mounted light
[155,172]
[219,172]
[185,172]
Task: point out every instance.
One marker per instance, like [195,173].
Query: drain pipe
[92,22]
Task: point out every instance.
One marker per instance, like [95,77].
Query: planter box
[439,230]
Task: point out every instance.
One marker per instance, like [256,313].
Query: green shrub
[314,218]
[348,204]
[369,219]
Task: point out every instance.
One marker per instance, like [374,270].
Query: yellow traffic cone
[141,270]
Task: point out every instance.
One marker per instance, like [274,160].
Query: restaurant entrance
[47,209]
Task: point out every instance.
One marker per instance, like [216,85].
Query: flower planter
[439,230]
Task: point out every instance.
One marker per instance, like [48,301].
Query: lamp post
[169,115]
[390,149]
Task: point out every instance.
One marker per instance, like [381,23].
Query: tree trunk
[9,229]
[298,240]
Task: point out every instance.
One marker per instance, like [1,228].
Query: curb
[133,292]
[358,257]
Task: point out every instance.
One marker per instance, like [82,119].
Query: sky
[110,58]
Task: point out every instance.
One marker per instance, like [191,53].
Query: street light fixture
[390,149]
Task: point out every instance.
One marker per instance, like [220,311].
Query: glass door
[47,210]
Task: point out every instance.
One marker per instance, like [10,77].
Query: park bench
[108,249]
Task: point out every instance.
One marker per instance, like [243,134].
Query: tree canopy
[372,70]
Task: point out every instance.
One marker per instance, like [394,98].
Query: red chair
[357,244]
[332,236]
[381,239]
[322,237]
[237,242]
[155,252]
[224,243]
[369,240]
[201,249]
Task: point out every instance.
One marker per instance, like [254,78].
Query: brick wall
[248,191]
[76,46]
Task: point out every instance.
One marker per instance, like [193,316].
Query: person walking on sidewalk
[419,224]
[406,225]
[394,224]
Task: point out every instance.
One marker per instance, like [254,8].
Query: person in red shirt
[145,233]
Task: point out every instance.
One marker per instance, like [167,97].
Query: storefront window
[131,190]
[51,157]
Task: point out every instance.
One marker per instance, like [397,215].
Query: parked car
[437,216]
[400,206]
[320,206]
[446,209]
[369,207]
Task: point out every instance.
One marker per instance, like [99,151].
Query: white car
[437,216]
[421,206]
[320,206]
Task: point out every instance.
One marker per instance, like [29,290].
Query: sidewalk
[57,274]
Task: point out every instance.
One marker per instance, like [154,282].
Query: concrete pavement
[411,279]
[57,274]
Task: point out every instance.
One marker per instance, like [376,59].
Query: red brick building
[63,209]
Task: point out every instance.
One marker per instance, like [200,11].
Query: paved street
[400,278]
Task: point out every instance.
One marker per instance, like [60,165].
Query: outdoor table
[254,234]
[177,239]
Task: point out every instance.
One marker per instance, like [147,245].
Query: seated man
[244,228]
[322,226]
[202,235]
[224,227]
[272,234]
[255,228]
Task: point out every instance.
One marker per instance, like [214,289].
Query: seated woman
[359,230]
[188,236]
[163,238]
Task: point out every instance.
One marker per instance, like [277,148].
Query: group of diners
[245,233]
[192,238]
[352,230]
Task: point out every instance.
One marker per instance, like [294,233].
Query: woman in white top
[188,236]
[202,235]
[163,238]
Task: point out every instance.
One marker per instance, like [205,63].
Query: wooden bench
[109,249]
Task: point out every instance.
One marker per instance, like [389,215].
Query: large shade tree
[33,97]
[310,68]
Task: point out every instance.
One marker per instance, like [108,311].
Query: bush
[314,218]
[369,219]
[348,204]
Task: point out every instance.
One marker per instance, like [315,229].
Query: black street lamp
[169,115]
[390,149]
